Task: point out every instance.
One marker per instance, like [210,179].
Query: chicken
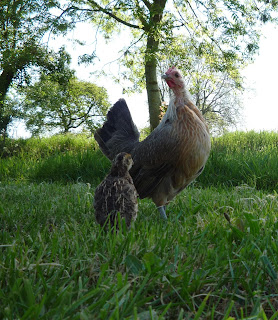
[117,193]
[172,156]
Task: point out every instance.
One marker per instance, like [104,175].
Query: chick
[117,193]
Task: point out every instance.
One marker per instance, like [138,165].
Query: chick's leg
[162,212]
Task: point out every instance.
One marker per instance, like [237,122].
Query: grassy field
[215,258]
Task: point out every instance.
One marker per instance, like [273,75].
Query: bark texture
[152,27]
[153,92]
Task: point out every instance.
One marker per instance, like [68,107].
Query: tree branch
[110,14]
[140,14]
[204,29]
[147,4]
[125,52]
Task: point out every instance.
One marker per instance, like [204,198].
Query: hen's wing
[118,133]
[154,158]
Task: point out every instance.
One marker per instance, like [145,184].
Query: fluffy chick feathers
[116,193]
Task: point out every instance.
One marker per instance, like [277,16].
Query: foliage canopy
[23,23]
[49,105]
[58,100]
[224,34]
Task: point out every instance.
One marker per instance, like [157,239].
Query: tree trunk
[6,79]
[153,92]
[152,29]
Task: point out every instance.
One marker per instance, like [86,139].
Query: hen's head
[173,78]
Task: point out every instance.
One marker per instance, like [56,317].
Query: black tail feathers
[118,133]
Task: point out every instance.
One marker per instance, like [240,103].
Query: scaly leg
[162,212]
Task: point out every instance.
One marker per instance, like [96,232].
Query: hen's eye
[176,75]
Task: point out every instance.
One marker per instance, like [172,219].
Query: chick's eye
[176,75]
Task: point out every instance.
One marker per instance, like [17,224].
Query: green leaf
[227,313]
[201,308]
[270,270]
[30,297]
[134,264]
[150,259]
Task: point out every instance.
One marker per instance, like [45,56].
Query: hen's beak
[165,76]
[169,80]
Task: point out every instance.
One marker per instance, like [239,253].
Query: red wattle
[170,83]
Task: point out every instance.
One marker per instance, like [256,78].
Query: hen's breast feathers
[178,148]
[194,146]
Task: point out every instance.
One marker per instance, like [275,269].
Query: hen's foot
[162,212]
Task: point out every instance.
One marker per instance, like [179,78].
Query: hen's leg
[162,212]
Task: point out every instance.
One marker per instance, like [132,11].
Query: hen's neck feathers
[179,97]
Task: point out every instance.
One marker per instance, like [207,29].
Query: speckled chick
[117,193]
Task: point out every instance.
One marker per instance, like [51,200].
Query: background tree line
[210,41]
[37,84]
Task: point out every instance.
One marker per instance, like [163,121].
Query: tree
[23,24]
[50,104]
[9,112]
[60,101]
[224,33]
[5,119]
[218,99]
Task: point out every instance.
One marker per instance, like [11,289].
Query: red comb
[170,69]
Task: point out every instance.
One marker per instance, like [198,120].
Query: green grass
[63,158]
[56,263]
[236,158]
[215,258]
[243,157]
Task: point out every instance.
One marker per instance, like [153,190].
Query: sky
[260,105]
